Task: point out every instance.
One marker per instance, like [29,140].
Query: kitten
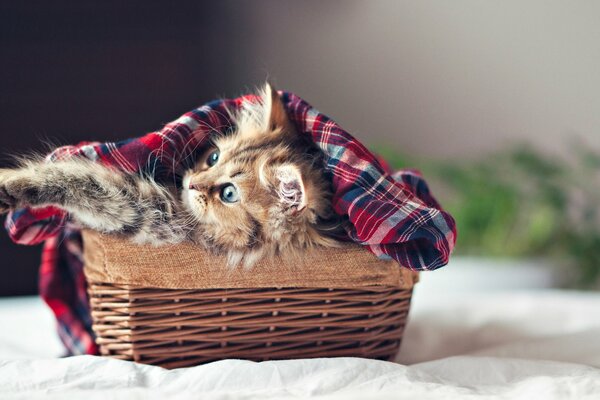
[257,192]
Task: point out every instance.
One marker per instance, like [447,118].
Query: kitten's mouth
[198,203]
[195,201]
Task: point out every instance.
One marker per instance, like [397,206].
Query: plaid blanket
[392,214]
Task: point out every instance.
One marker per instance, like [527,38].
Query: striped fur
[96,196]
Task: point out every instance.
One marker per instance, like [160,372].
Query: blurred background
[496,102]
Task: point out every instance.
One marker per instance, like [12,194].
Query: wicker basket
[177,306]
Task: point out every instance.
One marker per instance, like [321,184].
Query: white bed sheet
[458,344]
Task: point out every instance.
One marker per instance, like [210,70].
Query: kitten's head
[260,190]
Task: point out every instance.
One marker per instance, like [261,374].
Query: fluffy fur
[274,174]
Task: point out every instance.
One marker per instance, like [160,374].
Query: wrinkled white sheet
[540,344]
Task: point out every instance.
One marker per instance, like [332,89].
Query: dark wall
[73,71]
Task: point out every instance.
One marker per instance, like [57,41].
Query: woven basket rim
[116,260]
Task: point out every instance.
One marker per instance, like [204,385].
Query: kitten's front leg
[98,197]
[69,185]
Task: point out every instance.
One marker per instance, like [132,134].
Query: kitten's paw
[7,202]
[13,190]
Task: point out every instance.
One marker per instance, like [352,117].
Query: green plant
[521,203]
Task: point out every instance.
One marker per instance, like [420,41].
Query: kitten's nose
[203,187]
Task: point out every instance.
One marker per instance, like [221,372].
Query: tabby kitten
[254,193]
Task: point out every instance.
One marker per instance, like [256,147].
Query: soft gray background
[437,78]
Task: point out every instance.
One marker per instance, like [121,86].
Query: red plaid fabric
[392,214]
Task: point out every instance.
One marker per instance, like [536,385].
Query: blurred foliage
[521,203]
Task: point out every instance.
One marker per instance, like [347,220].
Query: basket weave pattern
[176,321]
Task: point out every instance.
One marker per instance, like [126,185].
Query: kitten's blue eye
[212,158]
[229,194]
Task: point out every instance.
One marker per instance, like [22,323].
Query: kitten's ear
[292,193]
[277,115]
